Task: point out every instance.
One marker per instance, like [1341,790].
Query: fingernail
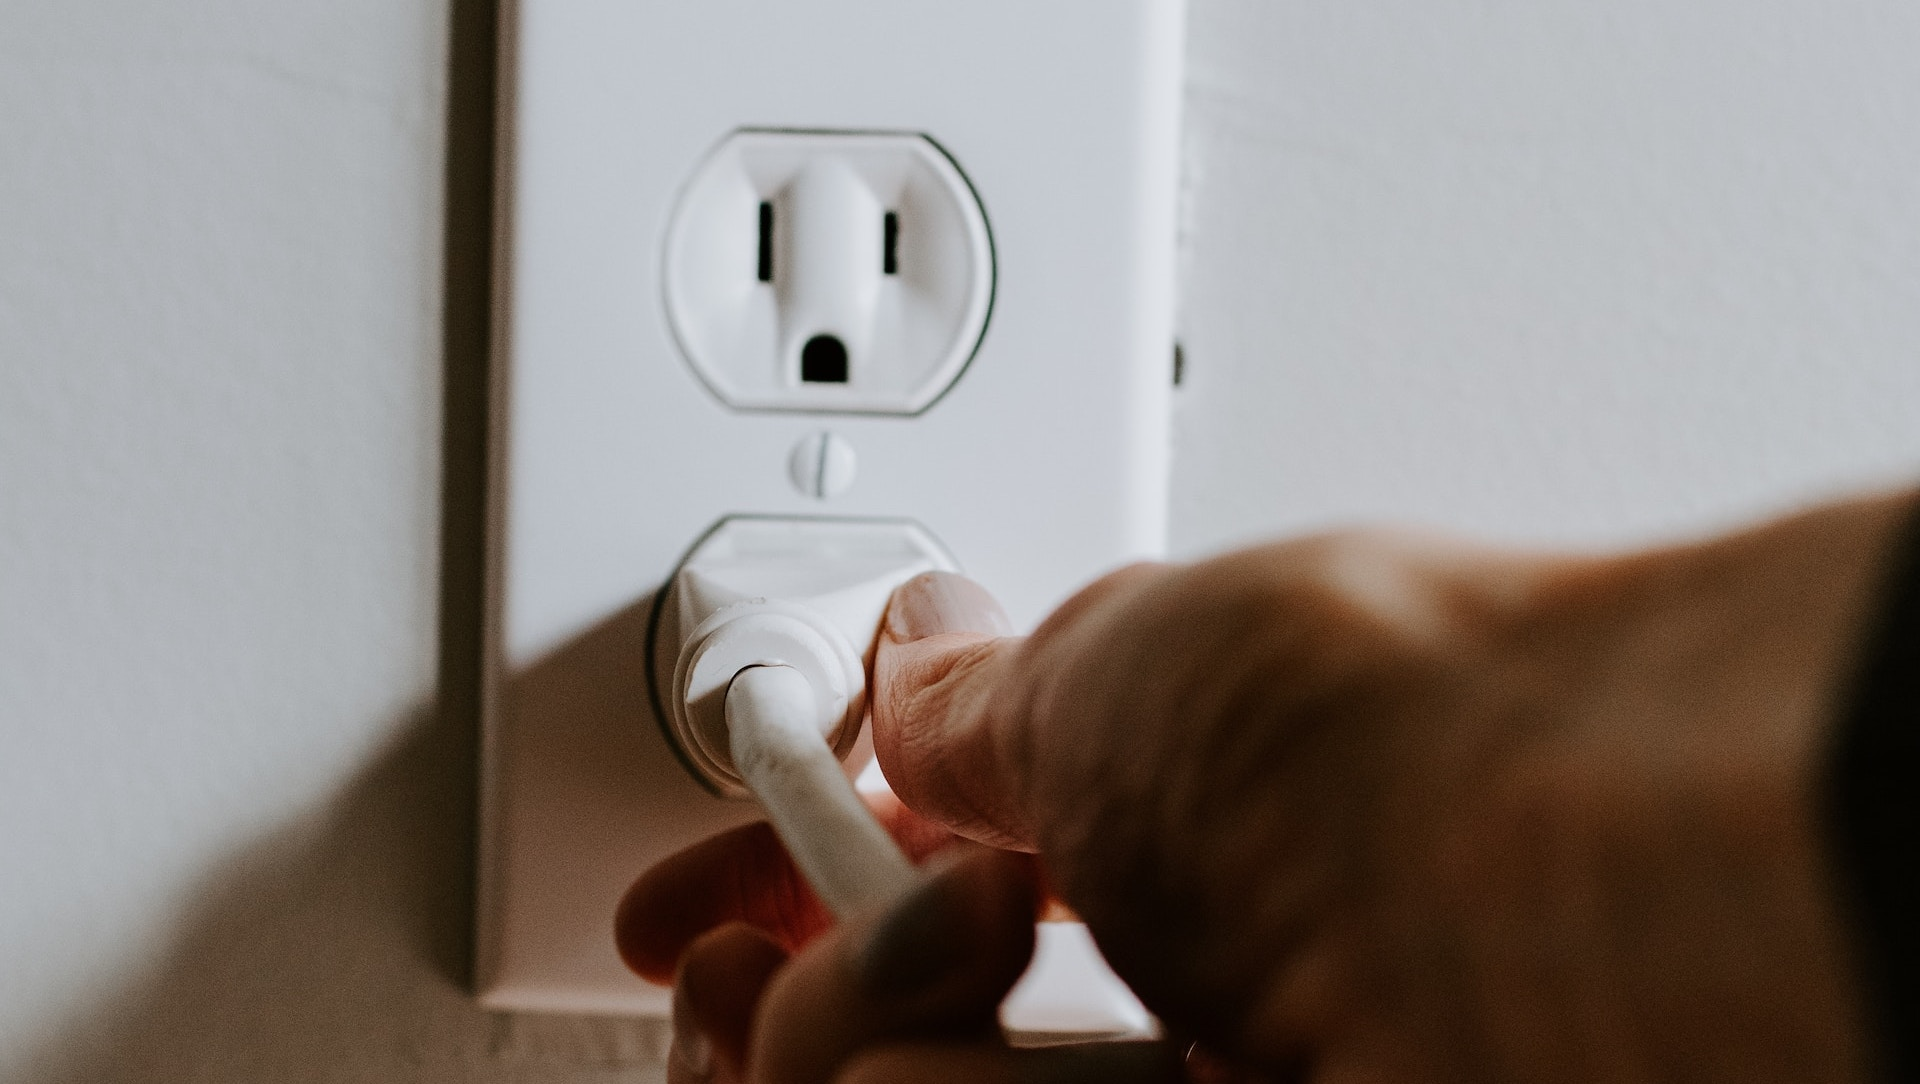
[694,1051]
[919,942]
[938,602]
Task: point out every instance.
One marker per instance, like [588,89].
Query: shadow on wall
[337,948]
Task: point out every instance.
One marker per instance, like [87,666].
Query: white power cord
[769,705]
[779,749]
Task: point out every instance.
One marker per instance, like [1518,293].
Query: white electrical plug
[804,593]
[769,625]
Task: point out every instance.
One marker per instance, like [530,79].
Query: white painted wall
[1547,270]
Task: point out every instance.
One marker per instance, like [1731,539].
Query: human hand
[1378,807]
[905,997]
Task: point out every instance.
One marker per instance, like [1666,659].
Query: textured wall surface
[234,823]
[1549,271]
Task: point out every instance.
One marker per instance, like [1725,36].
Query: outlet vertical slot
[766,241]
[890,249]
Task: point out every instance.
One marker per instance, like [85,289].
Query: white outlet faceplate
[1039,466]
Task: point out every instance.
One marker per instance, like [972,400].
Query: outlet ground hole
[823,360]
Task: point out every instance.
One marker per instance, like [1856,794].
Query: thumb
[943,703]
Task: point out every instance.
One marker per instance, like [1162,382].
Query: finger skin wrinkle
[941,747]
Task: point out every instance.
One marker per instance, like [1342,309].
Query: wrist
[1685,786]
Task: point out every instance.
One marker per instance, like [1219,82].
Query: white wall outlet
[649,384]
[841,271]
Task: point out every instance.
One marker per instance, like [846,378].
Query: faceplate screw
[822,465]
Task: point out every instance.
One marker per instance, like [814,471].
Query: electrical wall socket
[620,439]
[831,271]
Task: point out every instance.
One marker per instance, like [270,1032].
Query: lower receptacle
[582,761]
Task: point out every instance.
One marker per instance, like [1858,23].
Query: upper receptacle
[829,271]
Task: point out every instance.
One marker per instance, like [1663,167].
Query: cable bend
[779,749]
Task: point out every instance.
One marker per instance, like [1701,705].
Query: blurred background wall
[1547,271]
